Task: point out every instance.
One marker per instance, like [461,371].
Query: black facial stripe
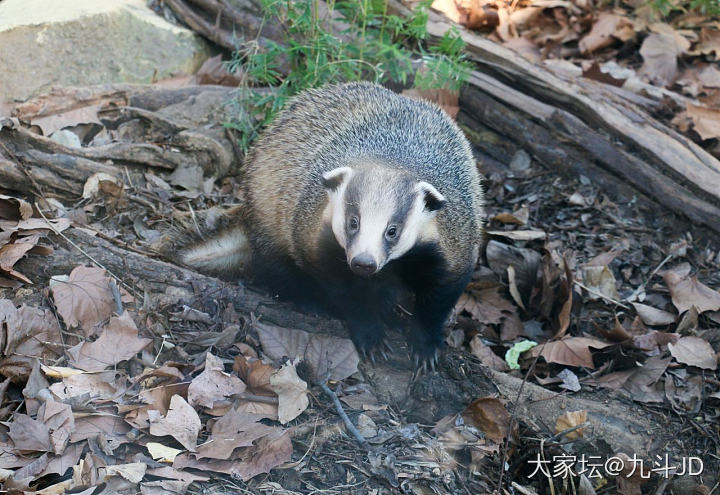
[350,211]
[402,211]
[352,193]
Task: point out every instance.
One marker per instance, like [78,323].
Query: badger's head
[379,213]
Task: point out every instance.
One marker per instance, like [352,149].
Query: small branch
[348,424]
[601,295]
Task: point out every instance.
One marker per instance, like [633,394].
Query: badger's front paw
[370,342]
[424,351]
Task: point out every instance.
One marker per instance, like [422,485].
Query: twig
[601,295]
[513,421]
[348,424]
[257,398]
[641,287]
[566,431]
[523,490]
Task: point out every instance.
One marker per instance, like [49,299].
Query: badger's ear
[335,177]
[433,199]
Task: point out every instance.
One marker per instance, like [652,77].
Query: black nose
[363,264]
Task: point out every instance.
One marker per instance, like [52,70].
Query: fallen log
[579,126]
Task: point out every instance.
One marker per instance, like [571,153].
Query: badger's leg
[364,307]
[433,302]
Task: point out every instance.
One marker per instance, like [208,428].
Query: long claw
[383,354]
[372,357]
[388,347]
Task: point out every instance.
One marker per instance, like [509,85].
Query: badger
[354,197]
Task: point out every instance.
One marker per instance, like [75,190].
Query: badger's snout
[363,264]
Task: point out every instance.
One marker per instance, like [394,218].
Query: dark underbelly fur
[368,305]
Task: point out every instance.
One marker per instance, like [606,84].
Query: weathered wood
[165,283]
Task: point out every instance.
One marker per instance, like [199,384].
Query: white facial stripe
[336,202]
[375,214]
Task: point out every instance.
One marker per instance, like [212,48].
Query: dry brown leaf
[162,453]
[12,208]
[660,51]
[29,435]
[709,43]
[134,472]
[489,415]
[640,385]
[565,294]
[600,280]
[84,299]
[31,470]
[604,259]
[479,14]
[706,121]
[271,451]
[35,391]
[569,420]
[105,385]
[173,474]
[653,316]
[181,422]
[486,355]
[327,356]
[608,29]
[685,394]
[59,464]
[255,374]
[32,334]
[570,351]
[234,430]
[689,291]
[709,77]
[213,384]
[119,341]
[507,218]
[59,419]
[109,426]
[291,391]
[11,254]
[485,305]
[694,351]
[653,341]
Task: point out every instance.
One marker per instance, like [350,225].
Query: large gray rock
[46,43]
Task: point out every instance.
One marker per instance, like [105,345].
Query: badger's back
[326,128]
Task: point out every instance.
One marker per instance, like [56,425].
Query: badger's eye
[391,232]
[353,223]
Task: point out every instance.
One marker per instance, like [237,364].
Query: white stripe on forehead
[376,207]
